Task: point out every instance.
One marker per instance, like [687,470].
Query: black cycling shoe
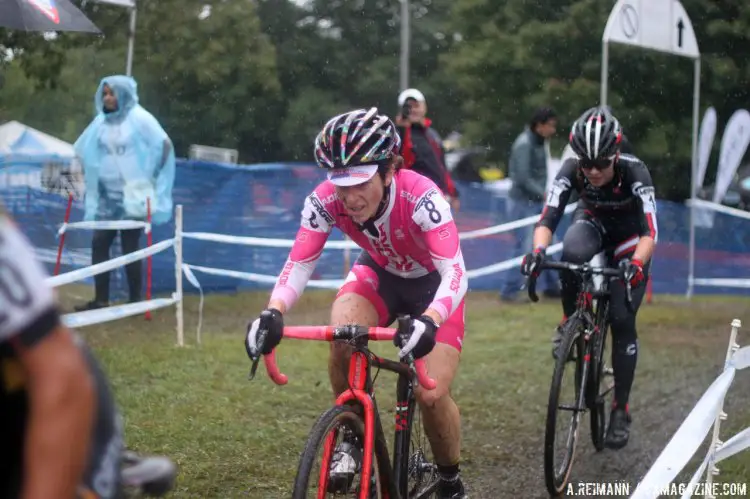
[618,431]
[451,489]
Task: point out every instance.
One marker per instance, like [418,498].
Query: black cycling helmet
[596,135]
[355,138]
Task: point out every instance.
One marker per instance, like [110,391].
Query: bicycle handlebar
[333,333]
[585,268]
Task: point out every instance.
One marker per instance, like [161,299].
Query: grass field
[234,438]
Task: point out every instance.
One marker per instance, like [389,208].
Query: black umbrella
[44,15]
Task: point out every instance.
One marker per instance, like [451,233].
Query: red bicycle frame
[357,392]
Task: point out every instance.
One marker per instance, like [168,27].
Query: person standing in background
[421,146]
[527,169]
[127,159]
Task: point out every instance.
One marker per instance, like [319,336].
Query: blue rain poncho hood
[127,158]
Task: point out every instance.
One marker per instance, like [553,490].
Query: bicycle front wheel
[600,383]
[564,408]
[314,479]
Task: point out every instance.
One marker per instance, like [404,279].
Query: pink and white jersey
[417,235]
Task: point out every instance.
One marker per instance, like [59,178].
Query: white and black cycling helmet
[353,145]
[596,135]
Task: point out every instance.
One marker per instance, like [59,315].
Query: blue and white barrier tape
[508,226]
[77,275]
[722,282]
[250,276]
[287,243]
[81,319]
[267,242]
[507,264]
[106,225]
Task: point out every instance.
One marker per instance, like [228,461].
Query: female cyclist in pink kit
[411,264]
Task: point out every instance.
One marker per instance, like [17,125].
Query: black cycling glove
[272,322]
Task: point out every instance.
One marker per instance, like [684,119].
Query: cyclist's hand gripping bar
[581,269]
[329,333]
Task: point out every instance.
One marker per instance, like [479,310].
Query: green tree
[518,55]
[209,80]
[346,53]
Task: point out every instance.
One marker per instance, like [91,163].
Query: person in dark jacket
[421,146]
[527,169]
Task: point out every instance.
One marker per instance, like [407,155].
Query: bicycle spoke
[423,477]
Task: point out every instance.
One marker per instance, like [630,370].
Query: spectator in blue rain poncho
[127,158]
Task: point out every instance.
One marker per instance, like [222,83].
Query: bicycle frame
[584,334]
[585,313]
[361,393]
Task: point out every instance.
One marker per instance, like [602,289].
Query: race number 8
[432,211]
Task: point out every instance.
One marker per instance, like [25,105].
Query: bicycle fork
[358,367]
[586,336]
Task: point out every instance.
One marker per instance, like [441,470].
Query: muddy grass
[238,439]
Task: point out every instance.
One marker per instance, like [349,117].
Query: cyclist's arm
[554,206]
[315,226]
[433,215]
[643,189]
[62,402]
[58,384]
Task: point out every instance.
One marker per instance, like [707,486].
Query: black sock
[448,473]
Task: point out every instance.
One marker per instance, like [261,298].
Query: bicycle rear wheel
[557,472]
[313,473]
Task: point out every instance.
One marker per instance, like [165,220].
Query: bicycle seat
[153,475]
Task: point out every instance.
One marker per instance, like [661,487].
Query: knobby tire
[336,416]
[572,340]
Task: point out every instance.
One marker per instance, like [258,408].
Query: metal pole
[405,38]
[605,73]
[694,174]
[131,41]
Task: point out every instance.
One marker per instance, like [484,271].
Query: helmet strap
[369,224]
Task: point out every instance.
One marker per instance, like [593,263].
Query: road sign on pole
[663,26]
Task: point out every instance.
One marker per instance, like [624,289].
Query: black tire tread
[554,485]
[316,439]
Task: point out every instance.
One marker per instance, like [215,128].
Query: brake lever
[253,368]
[259,347]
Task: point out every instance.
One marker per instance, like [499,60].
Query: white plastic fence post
[178,273]
[712,470]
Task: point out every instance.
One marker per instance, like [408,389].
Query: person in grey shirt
[527,170]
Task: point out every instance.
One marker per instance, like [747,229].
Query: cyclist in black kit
[616,214]
[60,433]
